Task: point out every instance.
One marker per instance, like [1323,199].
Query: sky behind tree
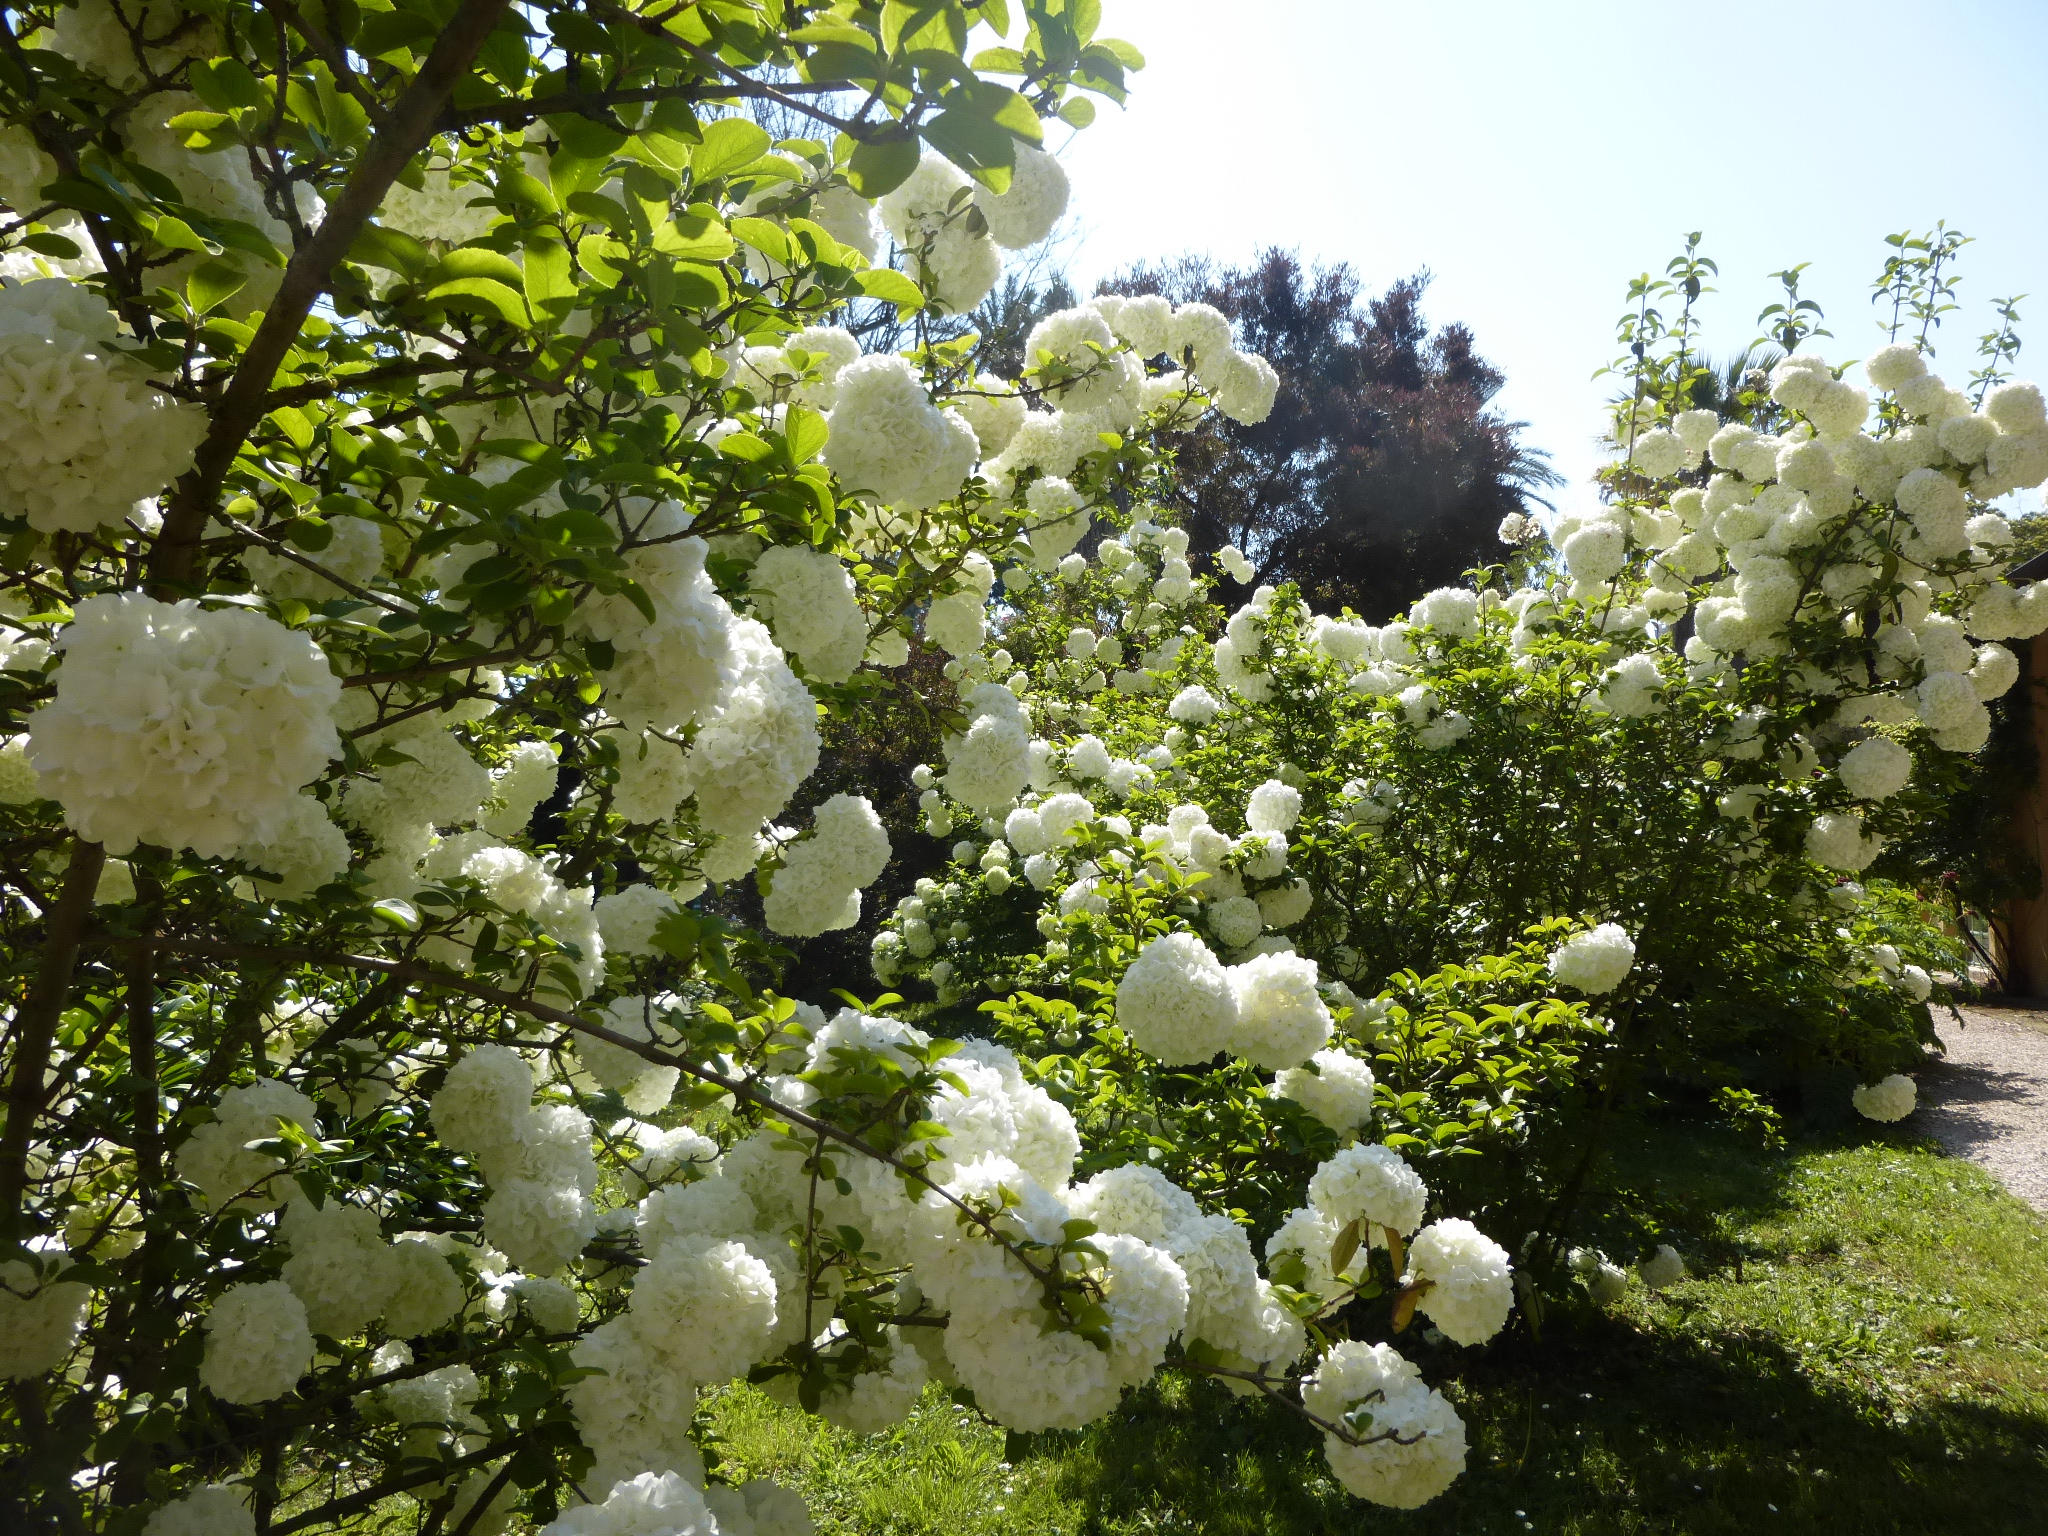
[1536,157]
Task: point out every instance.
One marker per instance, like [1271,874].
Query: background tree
[1381,472]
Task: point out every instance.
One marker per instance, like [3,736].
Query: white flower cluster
[889,439]
[818,887]
[667,671]
[1338,1092]
[189,727]
[258,1343]
[217,1156]
[211,1509]
[84,434]
[347,1276]
[1891,1099]
[1413,1442]
[1181,1005]
[537,1161]
[1594,961]
[807,597]
[439,208]
[932,217]
[354,554]
[989,765]
[1467,1286]
[40,1320]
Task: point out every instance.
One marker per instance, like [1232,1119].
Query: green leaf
[174,234]
[292,422]
[805,429]
[392,249]
[765,236]
[527,193]
[603,258]
[43,243]
[549,280]
[1000,61]
[884,283]
[401,915]
[394,32]
[225,84]
[1077,112]
[729,143]
[212,283]
[1345,1248]
[486,293]
[474,261]
[883,163]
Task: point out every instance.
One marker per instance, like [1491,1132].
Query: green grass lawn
[1863,1348]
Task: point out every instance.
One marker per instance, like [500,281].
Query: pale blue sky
[1536,155]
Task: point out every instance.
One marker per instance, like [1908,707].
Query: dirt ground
[1988,1101]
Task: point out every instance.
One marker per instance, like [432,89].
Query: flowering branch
[35,1025]
[241,406]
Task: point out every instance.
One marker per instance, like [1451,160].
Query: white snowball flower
[1136,1200]
[1076,359]
[217,1158]
[818,887]
[989,766]
[1338,1092]
[888,438]
[651,1504]
[1273,807]
[189,727]
[84,434]
[1891,1099]
[40,1321]
[1838,841]
[1371,1185]
[1281,1017]
[927,217]
[1470,1282]
[991,406]
[1596,552]
[667,672]
[211,1509]
[1235,920]
[1663,1269]
[354,553]
[1375,1393]
[1594,961]
[1875,769]
[339,1267]
[1176,1001]
[257,1343]
[426,1292]
[757,743]
[1452,610]
[807,596]
[1194,705]
[1037,197]
[626,919]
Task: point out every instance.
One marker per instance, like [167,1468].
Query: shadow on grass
[1599,1429]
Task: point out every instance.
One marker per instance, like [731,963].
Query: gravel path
[1988,1101]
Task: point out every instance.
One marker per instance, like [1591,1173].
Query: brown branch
[434,669]
[35,1026]
[283,550]
[376,1493]
[1271,1387]
[411,124]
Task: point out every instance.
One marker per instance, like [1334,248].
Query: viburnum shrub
[443,484]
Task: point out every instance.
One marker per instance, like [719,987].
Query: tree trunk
[2020,940]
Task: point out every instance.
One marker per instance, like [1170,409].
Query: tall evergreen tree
[1382,470]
